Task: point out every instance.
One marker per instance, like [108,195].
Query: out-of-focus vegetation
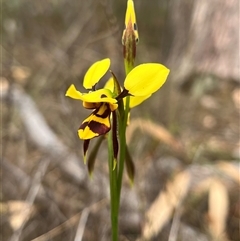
[184,140]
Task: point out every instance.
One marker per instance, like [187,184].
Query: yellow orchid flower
[139,84]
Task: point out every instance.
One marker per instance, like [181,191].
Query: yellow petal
[145,79]
[109,84]
[95,73]
[134,101]
[86,134]
[113,106]
[74,93]
[101,95]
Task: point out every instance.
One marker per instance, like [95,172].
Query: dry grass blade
[218,209]
[156,131]
[59,229]
[18,212]
[162,208]
[231,170]
[82,224]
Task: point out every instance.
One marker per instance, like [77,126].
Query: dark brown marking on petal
[103,96]
[83,125]
[98,127]
[105,114]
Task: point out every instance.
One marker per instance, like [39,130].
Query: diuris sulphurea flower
[140,84]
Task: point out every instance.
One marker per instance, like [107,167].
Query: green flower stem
[129,65]
[122,137]
[113,189]
[115,175]
[122,132]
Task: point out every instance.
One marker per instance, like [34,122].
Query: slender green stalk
[122,137]
[115,176]
[128,68]
[113,190]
